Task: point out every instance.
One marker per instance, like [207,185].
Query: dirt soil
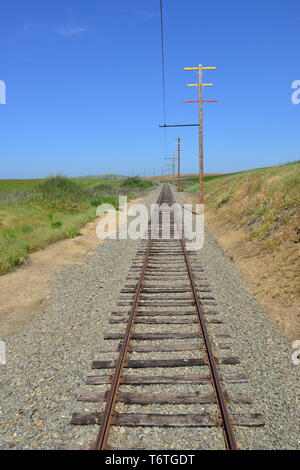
[24,291]
[272,278]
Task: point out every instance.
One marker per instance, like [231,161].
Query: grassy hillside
[110,177]
[265,203]
[255,216]
[35,213]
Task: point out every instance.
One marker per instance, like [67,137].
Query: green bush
[136,182]
[59,193]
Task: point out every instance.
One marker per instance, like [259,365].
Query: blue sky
[84,88]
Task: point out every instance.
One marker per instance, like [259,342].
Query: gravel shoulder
[265,354]
[48,362]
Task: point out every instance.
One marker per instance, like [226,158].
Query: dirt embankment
[271,277]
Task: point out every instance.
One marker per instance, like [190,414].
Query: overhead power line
[163,71]
[163,60]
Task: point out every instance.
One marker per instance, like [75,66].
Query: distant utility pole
[178,163]
[171,166]
[174,168]
[200,101]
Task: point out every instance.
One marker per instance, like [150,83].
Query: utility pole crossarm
[179,125]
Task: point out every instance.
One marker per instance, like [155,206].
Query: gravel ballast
[47,364]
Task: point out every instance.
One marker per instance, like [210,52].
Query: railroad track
[167,293]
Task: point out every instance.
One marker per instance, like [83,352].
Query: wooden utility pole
[174,172]
[201,195]
[200,84]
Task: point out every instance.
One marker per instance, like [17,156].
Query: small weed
[95,202]
[223,201]
[13,252]
[263,209]
[26,229]
[56,224]
[71,232]
[9,233]
[113,200]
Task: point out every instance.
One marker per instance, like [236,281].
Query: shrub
[59,193]
[136,182]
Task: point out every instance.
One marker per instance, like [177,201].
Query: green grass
[35,213]
[194,182]
[8,186]
[22,185]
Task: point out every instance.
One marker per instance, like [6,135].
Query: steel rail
[227,425]
[230,440]
[107,420]
[101,440]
